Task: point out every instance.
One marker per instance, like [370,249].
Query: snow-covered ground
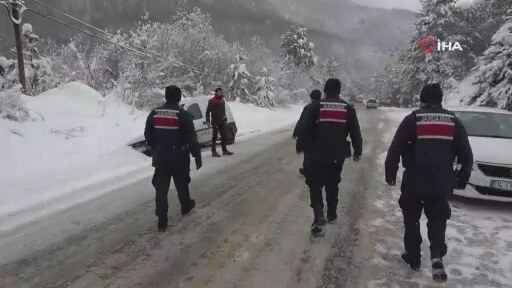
[74,150]
[253,120]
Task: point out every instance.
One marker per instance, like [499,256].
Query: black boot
[318,223]
[415,265]
[317,230]
[321,219]
[332,216]
[186,210]
[162,223]
[438,273]
[226,152]
[215,154]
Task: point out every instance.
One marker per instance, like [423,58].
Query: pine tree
[494,71]
[297,49]
[439,20]
[265,96]
[240,79]
[330,69]
[483,19]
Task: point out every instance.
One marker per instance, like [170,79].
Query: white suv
[372,104]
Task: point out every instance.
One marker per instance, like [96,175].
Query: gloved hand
[208,124]
[390,180]
[356,158]
[225,119]
[461,185]
[199,163]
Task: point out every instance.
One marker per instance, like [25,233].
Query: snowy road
[251,229]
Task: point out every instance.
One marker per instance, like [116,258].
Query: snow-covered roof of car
[478,109]
[198,98]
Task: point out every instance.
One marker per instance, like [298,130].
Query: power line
[91,26]
[159,58]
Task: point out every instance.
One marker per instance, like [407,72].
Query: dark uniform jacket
[171,134]
[430,140]
[325,130]
[298,126]
[216,111]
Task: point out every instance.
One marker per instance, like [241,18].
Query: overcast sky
[405,4]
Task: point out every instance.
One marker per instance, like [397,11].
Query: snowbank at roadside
[252,120]
[75,138]
[74,149]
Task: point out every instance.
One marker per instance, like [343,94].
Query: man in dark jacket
[429,140]
[172,137]
[315,97]
[324,132]
[216,118]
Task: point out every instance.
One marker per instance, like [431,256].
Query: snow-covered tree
[439,20]
[107,63]
[330,69]
[38,69]
[12,106]
[385,85]
[297,49]
[240,79]
[7,73]
[482,20]
[494,71]
[265,91]
[193,55]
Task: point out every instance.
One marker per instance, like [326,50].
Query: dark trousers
[162,181]
[438,211]
[320,175]
[222,129]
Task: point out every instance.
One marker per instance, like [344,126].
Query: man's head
[219,92]
[173,94]
[431,94]
[315,95]
[332,87]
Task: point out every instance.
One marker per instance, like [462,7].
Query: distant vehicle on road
[372,104]
[490,134]
[196,106]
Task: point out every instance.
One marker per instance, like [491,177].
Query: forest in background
[191,53]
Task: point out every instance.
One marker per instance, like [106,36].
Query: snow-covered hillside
[75,139]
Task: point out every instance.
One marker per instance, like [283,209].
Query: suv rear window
[372,101]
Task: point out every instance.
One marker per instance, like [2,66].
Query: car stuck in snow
[490,135]
[196,106]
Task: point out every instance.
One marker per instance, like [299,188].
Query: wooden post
[15,8]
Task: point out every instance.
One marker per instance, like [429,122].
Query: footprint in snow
[455,240]
[456,272]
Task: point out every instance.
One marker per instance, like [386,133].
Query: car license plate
[502,185]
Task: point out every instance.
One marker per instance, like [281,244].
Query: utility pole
[16,20]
